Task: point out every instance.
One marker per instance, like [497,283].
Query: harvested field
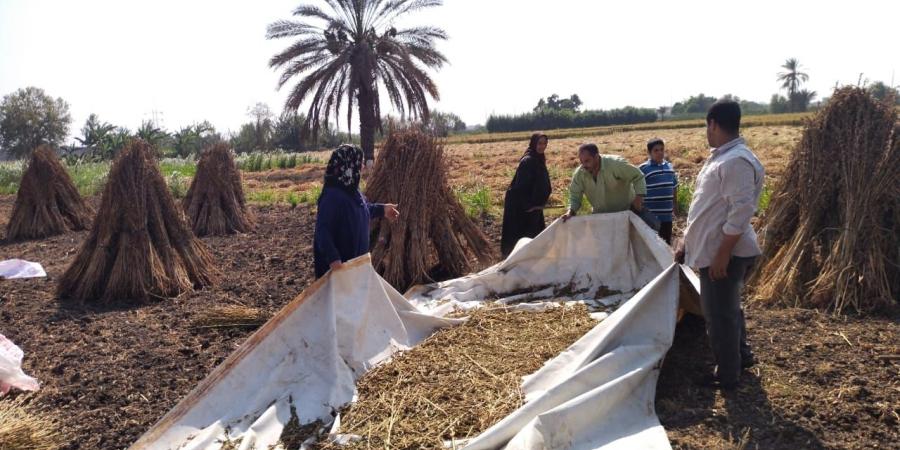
[461,380]
[112,371]
[820,382]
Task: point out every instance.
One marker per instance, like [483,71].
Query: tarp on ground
[597,394]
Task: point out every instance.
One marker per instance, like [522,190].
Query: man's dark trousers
[721,304]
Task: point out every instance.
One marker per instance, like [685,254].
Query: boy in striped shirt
[662,187]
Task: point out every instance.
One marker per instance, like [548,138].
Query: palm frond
[289,28]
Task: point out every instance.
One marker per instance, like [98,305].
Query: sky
[183,61]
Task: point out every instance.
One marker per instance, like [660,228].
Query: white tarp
[308,356]
[597,393]
[600,392]
[579,257]
[18,268]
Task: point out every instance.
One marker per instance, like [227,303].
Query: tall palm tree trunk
[367,123]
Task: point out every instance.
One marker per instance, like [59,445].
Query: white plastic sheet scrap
[18,268]
[308,356]
[11,374]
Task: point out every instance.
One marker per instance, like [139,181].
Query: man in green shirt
[608,181]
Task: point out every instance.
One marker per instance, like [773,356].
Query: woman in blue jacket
[342,221]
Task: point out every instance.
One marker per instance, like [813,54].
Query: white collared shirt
[726,196]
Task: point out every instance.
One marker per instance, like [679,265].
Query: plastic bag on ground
[18,268]
[11,374]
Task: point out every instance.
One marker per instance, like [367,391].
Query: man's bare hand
[638,202]
[336,265]
[391,212]
[679,251]
[718,270]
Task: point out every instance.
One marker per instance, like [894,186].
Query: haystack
[24,428]
[461,380]
[140,247]
[433,233]
[215,203]
[48,202]
[832,235]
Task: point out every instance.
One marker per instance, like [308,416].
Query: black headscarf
[344,168]
[532,147]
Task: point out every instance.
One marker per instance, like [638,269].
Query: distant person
[342,221]
[523,207]
[662,187]
[721,243]
[609,182]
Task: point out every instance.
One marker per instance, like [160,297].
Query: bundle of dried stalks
[22,428]
[47,203]
[140,246]
[461,380]
[215,203]
[433,233]
[230,316]
[833,229]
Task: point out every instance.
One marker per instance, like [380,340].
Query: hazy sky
[184,61]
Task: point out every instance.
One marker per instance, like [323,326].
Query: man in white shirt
[720,242]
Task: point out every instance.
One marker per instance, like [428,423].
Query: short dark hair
[590,148]
[726,114]
[654,142]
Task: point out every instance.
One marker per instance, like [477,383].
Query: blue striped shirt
[661,183]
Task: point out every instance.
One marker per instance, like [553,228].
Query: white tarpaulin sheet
[308,356]
[18,268]
[597,394]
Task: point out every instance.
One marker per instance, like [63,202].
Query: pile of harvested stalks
[22,428]
[140,247]
[215,203]
[832,234]
[461,380]
[230,316]
[433,233]
[47,203]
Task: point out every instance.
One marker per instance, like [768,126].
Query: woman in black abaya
[523,207]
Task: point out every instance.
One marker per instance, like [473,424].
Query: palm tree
[793,77]
[94,131]
[801,100]
[355,52]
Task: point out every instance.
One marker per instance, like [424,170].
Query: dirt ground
[110,373]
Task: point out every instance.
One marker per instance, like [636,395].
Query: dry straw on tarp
[140,247]
[459,381]
[433,231]
[832,234]
[215,203]
[22,428]
[47,203]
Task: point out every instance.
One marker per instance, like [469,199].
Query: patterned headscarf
[344,167]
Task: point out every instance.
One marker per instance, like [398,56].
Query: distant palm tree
[355,52]
[793,77]
[801,100]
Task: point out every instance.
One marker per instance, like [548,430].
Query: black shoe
[712,381]
[748,361]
